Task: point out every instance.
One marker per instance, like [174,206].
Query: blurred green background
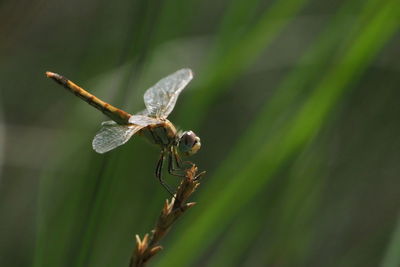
[296,102]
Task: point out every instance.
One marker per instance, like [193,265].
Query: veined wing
[112,135]
[161,98]
[143,120]
[144,112]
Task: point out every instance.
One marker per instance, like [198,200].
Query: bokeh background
[296,102]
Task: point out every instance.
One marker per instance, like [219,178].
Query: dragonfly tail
[116,114]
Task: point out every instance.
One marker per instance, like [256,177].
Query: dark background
[296,102]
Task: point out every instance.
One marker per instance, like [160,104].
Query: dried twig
[172,210]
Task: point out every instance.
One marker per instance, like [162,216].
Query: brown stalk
[172,210]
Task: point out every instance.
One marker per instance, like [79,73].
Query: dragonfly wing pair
[159,100]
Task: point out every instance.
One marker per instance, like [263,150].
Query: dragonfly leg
[177,158]
[198,176]
[174,165]
[179,163]
[159,174]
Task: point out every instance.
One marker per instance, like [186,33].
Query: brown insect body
[159,131]
[162,134]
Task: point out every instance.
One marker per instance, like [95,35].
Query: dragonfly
[152,123]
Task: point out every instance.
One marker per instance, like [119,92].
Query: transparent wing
[143,120]
[161,98]
[112,135]
[144,112]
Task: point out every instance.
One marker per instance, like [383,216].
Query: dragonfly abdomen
[116,114]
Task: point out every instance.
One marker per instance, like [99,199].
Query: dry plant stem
[172,210]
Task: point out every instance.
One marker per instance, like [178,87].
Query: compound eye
[189,139]
[189,143]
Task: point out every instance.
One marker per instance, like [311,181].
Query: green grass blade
[223,69]
[392,255]
[217,209]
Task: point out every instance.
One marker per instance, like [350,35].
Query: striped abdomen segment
[116,114]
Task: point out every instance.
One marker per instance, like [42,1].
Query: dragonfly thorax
[162,134]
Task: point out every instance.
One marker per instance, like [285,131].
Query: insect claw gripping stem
[199,175]
[192,165]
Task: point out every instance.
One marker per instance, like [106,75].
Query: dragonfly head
[189,143]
